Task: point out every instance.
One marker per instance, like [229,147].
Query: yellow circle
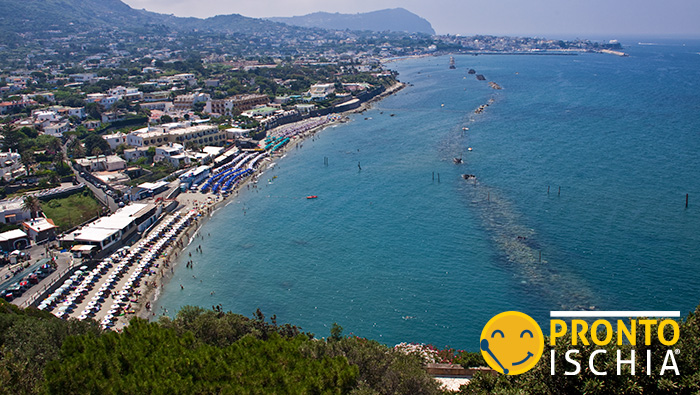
[512,342]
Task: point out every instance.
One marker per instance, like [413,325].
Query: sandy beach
[207,204]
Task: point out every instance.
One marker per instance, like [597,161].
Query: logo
[512,342]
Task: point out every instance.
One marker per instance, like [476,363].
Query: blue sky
[596,19]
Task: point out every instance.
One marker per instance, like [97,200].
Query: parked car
[16,290]
[8,296]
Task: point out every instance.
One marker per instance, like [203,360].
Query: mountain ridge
[22,16]
[390,19]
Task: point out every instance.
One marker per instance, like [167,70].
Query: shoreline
[210,204]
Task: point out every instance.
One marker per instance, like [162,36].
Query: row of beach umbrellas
[73,291]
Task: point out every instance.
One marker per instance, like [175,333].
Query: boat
[469,176]
[471,71]
[480,77]
[452,63]
[312,197]
[457,160]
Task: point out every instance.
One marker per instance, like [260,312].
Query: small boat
[457,160]
[312,197]
[468,176]
[469,149]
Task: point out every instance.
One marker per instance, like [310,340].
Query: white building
[173,153]
[114,140]
[176,133]
[130,94]
[40,229]
[108,231]
[321,91]
[11,212]
[102,163]
[84,77]
[57,129]
[11,166]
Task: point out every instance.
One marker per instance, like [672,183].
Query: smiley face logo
[512,342]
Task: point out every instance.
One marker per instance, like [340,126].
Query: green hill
[35,16]
[395,20]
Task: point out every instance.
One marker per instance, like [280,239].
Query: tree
[150,153]
[75,148]
[31,204]
[12,138]
[94,110]
[96,141]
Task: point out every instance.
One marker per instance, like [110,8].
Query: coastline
[208,205]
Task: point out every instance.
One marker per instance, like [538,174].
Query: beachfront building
[194,177]
[177,133]
[148,189]
[110,232]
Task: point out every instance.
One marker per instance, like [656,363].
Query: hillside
[396,19]
[22,16]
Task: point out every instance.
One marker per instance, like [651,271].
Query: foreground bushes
[200,351]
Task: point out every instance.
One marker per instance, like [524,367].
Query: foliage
[32,204]
[28,340]
[148,358]
[72,210]
[96,145]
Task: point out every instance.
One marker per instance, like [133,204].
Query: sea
[581,169]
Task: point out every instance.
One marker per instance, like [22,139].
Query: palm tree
[31,204]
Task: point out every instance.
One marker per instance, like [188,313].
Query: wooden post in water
[559,193]
[547,190]
[433,176]
[438,178]
[540,256]
[686,200]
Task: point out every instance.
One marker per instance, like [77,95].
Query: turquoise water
[391,254]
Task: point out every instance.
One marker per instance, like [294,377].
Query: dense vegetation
[211,351]
[200,351]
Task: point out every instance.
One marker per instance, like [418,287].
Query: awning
[82,248]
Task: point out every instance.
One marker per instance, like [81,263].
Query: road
[99,193]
